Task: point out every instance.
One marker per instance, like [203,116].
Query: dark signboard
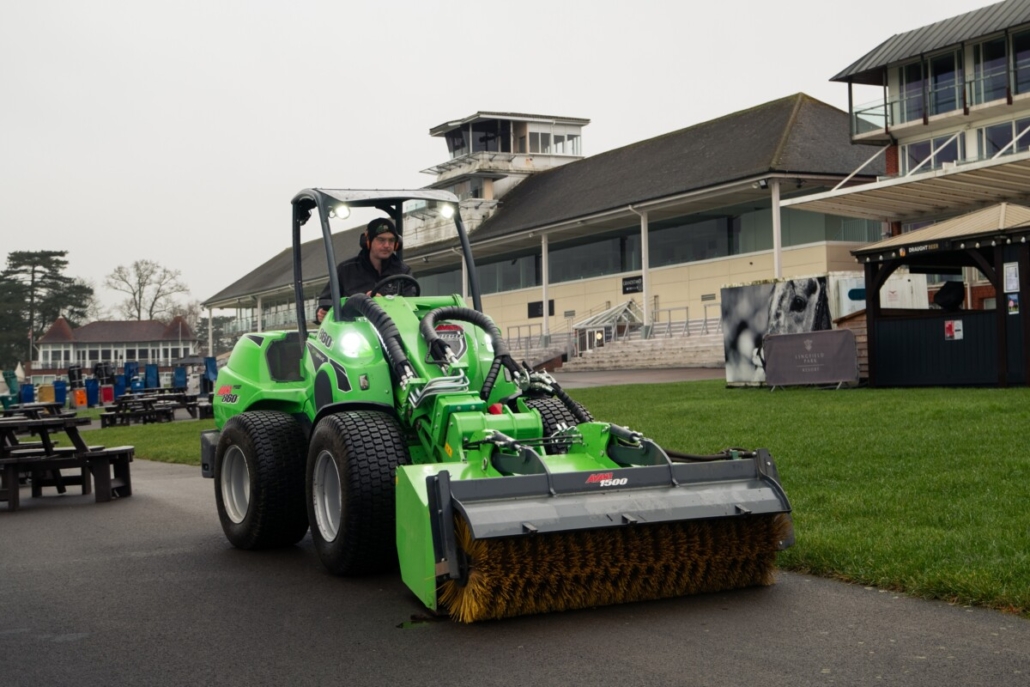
[633,284]
[536,308]
[818,357]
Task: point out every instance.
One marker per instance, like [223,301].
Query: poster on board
[753,311]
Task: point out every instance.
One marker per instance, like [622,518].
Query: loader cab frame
[328,203]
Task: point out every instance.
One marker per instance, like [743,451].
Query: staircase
[668,347]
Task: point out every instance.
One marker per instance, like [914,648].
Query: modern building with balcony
[951,124]
[953,128]
[665,222]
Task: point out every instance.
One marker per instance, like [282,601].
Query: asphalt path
[145,590]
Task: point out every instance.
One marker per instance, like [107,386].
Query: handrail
[704,327]
[656,319]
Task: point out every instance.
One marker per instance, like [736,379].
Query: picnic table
[35,410]
[44,460]
[140,408]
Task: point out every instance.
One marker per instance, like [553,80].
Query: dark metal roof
[795,135]
[937,36]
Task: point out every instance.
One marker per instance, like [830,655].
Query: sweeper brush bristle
[566,570]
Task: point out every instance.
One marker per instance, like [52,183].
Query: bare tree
[150,287]
[93,310]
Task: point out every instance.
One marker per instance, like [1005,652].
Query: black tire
[259,480]
[352,460]
[554,413]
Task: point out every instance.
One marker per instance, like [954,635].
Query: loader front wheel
[259,480]
[352,459]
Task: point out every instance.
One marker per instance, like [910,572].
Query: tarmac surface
[145,590]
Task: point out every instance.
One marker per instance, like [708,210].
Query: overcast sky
[179,131]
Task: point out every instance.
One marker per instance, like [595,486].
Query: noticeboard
[819,357]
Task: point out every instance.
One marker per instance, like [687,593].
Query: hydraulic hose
[678,457]
[361,304]
[439,349]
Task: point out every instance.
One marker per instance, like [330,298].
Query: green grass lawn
[168,442]
[925,491]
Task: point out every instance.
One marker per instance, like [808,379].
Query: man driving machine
[376,260]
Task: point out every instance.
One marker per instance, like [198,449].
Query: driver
[376,261]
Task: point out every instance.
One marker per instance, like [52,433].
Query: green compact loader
[403,430]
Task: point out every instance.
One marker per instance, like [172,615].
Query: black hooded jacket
[359,275]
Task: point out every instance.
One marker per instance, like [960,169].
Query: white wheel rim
[235,484]
[327,494]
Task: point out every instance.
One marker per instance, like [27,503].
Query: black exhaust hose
[361,304]
[438,348]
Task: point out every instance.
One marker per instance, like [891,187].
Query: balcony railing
[988,86]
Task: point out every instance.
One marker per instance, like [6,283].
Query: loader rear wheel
[554,413]
[352,459]
[259,480]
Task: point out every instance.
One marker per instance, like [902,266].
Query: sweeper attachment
[403,431]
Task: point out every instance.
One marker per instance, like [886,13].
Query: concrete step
[683,351]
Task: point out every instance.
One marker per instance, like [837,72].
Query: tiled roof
[125,331]
[60,332]
[797,134]
[793,135]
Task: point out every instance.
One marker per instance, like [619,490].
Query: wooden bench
[103,472]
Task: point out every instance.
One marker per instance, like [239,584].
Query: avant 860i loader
[404,431]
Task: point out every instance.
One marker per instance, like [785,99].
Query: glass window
[440,283]
[916,153]
[545,143]
[946,151]
[572,145]
[508,274]
[989,71]
[911,79]
[1021,61]
[693,239]
[534,142]
[1022,131]
[559,145]
[486,136]
[995,138]
[457,142]
[945,82]
[597,257]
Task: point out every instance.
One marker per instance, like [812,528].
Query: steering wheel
[397,277]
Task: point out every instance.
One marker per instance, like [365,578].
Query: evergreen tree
[35,292]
